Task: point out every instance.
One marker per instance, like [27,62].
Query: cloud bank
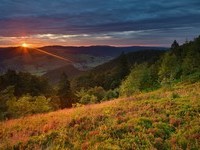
[93,22]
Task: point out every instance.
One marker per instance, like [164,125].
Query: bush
[145,122]
[88,99]
[28,105]
[170,68]
[5,95]
[175,95]
[93,95]
[192,78]
[111,94]
[141,78]
[41,104]
[164,130]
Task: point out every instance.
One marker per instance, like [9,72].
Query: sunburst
[28,48]
[25,45]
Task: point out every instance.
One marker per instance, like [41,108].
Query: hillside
[137,57]
[141,56]
[113,69]
[54,75]
[167,118]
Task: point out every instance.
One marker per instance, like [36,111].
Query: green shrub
[141,78]
[41,104]
[93,95]
[170,68]
[164,130]
[192,78]
[175,95]
[28,105]
[111,94]
[88,99]
[145,122]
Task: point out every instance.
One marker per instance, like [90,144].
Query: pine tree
[123,65]
[64,92]
[174,45]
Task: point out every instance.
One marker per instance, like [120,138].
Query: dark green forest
[24,94]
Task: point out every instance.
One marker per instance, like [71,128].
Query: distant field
[164,119]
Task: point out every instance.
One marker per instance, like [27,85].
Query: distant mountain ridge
[83,57]
[102,50]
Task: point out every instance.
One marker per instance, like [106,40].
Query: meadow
[167,118]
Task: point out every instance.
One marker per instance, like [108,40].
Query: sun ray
[26,47]
[51,54]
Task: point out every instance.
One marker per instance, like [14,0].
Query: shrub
[88,99]
[175,95]
[170,68]
[93,95]
[145,122]
[41,104]
[195,77]
[111,94]
[141,78]
[164,130]
[20,107]
[28,105]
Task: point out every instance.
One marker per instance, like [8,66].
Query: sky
[98,22]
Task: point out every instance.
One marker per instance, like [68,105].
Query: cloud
[93,17]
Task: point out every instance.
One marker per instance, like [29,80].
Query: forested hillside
[110,74]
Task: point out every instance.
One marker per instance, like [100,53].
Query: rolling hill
[17,58]
[54,75]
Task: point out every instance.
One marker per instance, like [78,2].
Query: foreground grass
[163,119]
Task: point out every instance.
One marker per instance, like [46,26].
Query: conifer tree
[64,92]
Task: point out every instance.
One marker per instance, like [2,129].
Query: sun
[25,45]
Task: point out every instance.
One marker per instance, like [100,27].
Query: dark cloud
[103,18]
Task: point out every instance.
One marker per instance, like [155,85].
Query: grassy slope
[163,119]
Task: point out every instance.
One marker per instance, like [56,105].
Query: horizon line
[15,46]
